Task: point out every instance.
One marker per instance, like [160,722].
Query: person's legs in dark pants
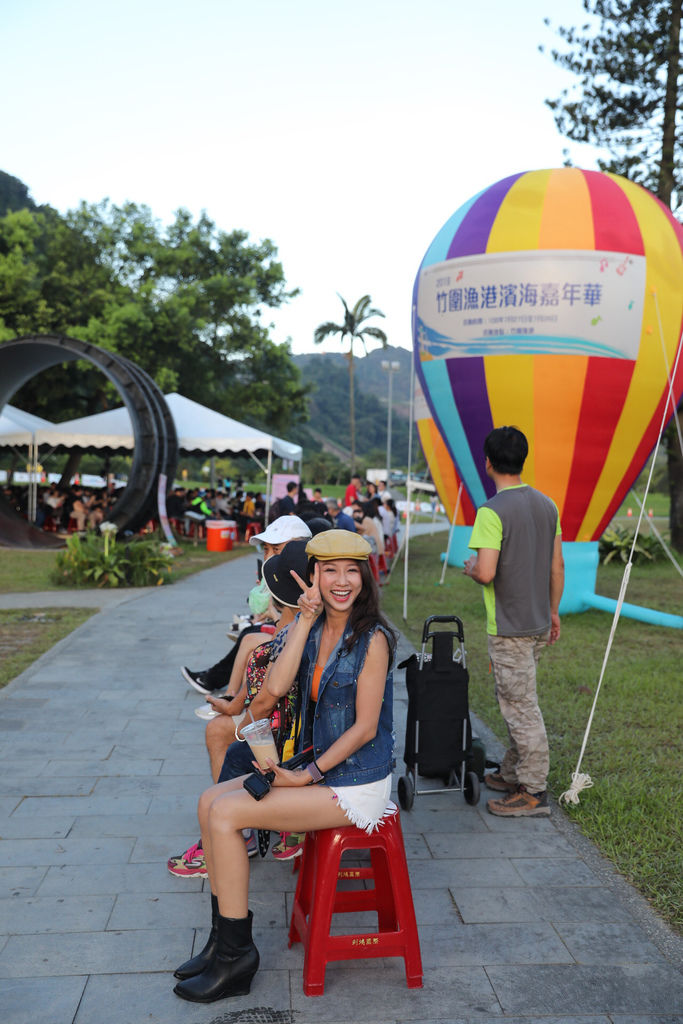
[218,675]
[238,760]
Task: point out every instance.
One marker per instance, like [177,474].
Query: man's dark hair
[291,486]
[506,448]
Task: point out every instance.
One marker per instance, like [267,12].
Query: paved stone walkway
[101,763]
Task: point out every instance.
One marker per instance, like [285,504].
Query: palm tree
[354,329]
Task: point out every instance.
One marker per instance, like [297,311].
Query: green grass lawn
[657,503]
[27,633]
[29,571]
[634,750]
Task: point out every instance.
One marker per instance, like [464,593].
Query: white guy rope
[659,537]
[408,488]
[582,781]
[579,780]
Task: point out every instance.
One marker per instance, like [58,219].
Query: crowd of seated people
[78,508]
[233,686]
[64,509]
[255,646]
[233,683]
[189,508]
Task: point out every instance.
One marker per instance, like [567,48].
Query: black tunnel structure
[156,443]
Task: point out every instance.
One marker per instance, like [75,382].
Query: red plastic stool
[317,899]
[251,531]
[374,568]
[382,564]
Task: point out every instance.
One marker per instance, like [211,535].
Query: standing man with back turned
[518,561]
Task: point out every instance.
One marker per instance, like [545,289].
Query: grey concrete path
[101,763]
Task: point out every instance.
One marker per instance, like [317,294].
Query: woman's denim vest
[335,711]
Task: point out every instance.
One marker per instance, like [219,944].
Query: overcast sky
[346,132]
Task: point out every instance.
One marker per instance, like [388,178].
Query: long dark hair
[365,612]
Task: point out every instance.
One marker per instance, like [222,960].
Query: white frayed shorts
[367,804]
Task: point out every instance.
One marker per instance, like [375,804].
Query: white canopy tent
[200,431]
[14,421]
[203,430]
[19,429]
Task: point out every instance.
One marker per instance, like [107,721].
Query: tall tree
[184,302]
[14,195]
[354,327]
[629,90]
[627,101]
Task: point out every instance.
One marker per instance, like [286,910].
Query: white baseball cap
[282,530]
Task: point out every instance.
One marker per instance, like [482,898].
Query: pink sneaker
[190,864]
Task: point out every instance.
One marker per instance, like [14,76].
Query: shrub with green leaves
[617,541]
[148,563]
[100,561]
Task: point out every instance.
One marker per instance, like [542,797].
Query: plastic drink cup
[259,736]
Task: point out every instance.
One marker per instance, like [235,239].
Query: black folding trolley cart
[438,731]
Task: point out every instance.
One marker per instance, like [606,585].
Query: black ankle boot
[232,968]
[202,960]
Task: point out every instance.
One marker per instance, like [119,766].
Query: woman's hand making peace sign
[310,603]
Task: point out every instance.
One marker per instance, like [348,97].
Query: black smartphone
[258,785]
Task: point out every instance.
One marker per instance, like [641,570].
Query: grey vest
[522,582]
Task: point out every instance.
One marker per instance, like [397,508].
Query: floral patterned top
[257,666]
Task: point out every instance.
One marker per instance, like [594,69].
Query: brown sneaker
[494,780]
[521,805]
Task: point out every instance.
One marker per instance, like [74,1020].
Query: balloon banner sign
[533,303]
[551,301]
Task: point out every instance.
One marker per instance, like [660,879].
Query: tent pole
[32,483]
[258,462]
[268,476]
[408,489]
[450,536]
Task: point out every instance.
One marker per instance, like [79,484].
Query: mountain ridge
[328,426]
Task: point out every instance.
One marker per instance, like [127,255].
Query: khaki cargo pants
[514,660]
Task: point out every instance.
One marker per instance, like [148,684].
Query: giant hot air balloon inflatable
[553,300]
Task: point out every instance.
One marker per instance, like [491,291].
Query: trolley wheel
[263,836]
[406,792]
[471,788]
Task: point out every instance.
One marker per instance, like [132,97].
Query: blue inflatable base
[580,574]
[457,550]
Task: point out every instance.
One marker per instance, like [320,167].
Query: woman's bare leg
[220,733]
[226,809]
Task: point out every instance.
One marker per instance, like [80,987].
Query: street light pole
[389,367]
